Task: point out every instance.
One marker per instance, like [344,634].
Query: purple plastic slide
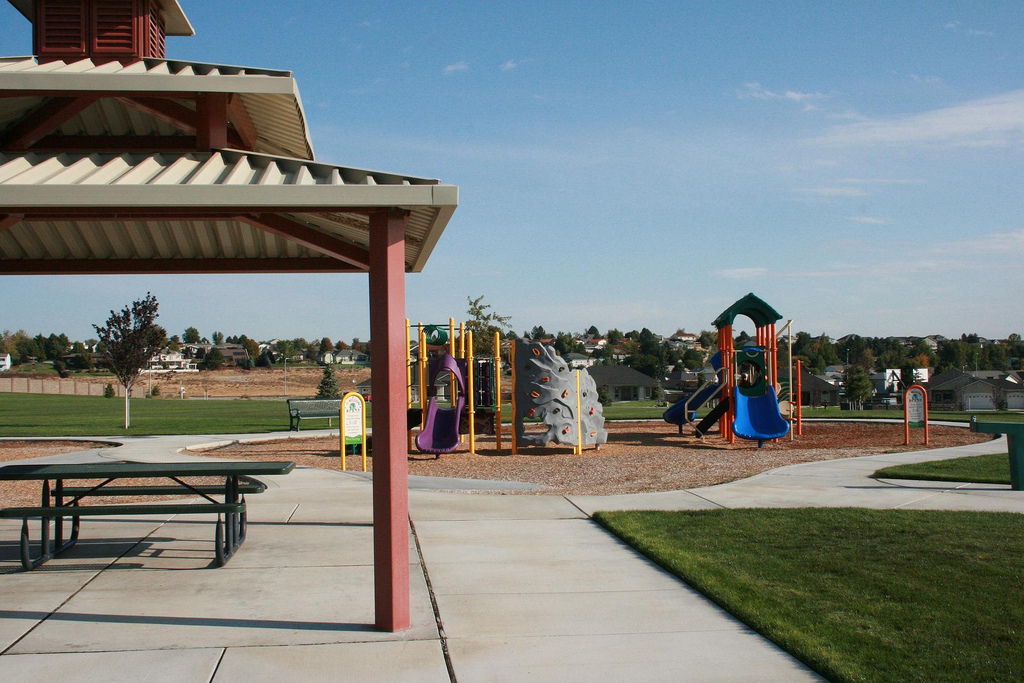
[441,427]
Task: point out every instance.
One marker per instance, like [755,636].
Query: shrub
[155,391]
[108,391]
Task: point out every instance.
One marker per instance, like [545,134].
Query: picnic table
[60,501]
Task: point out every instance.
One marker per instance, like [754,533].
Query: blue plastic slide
[676,413]
[758,417]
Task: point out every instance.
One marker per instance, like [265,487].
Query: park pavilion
[115,159]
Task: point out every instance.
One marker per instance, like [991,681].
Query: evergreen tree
[328,387]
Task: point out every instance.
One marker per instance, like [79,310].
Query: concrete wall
[62,387]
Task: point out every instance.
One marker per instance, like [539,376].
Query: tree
[190,336]
[325,345]
[538,332]
[857,384]
[218,338]
[131,338]
[483,323]
[328,387]
[613,336]
[593,332]
[565,344]
[214,359]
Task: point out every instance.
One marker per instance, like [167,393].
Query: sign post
[915,412]
[353,425]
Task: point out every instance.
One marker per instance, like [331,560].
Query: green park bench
[1014,432]
[304,408]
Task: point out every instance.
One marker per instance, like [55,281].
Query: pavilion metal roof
[269,98]
[72,212]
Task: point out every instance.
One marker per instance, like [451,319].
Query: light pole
[286,376]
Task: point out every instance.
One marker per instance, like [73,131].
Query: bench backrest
[314,406]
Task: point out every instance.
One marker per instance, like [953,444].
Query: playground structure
[459,394]
[473,388]
[744,381]
[544,388]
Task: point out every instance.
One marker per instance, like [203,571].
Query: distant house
[365,389]
[814,391]
[351,357]
[578,361]
[171,361]
[683,340]
[234,354]
[623,383]
[5,362]
[985,390]
[890,381]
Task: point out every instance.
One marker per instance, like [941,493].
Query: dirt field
[639,456]
[255,383]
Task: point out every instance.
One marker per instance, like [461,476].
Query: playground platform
[505,588]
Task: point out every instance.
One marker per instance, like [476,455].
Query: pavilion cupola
[104,31]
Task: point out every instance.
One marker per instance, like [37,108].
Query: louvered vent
[60,28]
[156,37]
[114,27]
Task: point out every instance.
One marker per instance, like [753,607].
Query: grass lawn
[993,468]
[40,415]
[859,595]
[948,416]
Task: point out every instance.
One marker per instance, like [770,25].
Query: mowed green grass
[39,415]
[858,595]
[993,468]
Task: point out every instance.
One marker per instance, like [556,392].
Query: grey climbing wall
[546,389]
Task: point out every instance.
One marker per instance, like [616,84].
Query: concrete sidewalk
[504,588]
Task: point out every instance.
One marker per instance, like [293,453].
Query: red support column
[390,456]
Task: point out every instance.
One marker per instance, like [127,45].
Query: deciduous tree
[131,338]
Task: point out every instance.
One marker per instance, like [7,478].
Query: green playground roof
[751,306]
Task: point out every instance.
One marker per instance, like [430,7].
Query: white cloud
[758,92]
[988,122]
[832,191]
[457,66]
[978,32]
[743,273]
[880,181]
[868,220]
[952,26]
[925,79]
[509,65]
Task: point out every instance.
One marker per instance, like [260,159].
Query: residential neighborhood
[970,373]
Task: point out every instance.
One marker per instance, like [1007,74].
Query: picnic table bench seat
[305,408]
[60,502]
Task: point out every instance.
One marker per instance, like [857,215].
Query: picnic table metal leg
[231,530]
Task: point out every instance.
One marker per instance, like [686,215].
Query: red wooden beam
[390,454]
[172,266]
[211,121]
[168,111]
[308,237]
[34,126]
[9,220]
[239,117]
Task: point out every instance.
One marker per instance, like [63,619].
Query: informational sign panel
[353,425]
[915,412]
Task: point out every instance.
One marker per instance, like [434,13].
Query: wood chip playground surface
[639,457]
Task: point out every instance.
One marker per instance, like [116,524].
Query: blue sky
[856,165]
